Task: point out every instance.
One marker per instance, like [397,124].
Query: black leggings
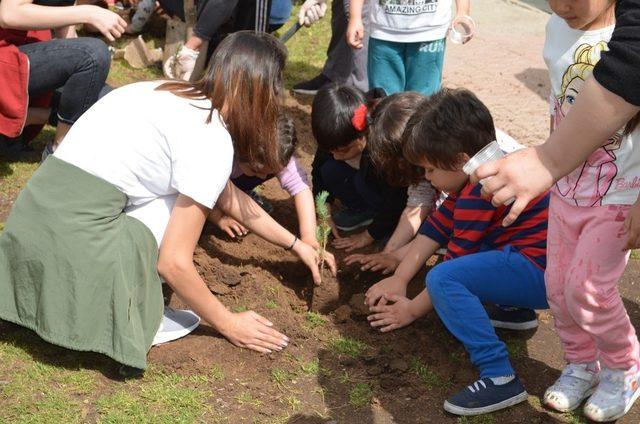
[212,14]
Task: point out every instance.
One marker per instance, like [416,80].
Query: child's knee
[584,297]
[436,280]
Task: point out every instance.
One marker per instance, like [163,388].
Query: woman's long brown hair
[244,84]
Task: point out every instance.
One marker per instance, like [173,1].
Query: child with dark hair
[342,166]
[291,176]
[485,262]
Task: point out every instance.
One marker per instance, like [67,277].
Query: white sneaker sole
[458,410]
[616,417]
[354,227]
[162,337]
[518,326]
[304,92]
[571,407]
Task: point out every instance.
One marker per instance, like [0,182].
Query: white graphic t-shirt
[611,175]
[410,21]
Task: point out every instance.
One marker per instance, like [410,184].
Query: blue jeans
[349,186]
[399,67]
[77,66]
[459,286]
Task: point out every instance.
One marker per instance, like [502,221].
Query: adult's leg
[423,66]
[79,66]
[459,286]
[386,65]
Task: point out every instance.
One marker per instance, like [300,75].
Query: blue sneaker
[485,396]
[510,318]
[349,219]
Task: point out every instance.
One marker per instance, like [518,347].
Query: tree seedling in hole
[323,228]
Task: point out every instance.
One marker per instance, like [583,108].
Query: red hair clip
[359,119]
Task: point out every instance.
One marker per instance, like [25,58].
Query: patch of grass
[121,73]
[245,398]
[347,346]
[294,403]
[345,378]
[427,376]
[315,320]
[281,377]
[360,395]
[240,308]
[478,419]
[158,397]
[635,254]
[272,304]
[576,417]
[516,347]
[216,372]
[311,367]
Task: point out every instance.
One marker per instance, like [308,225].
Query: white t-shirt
[410,21]
[152,144]
[611,175]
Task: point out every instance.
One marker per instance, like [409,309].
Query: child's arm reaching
[420,249]
[401,313]
[306,212]
[355,30]
[632,226]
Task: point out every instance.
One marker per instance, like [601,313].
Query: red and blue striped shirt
[466,223]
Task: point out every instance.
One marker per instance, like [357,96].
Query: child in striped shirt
[485,262]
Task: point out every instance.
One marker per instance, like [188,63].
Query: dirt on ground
[337,369]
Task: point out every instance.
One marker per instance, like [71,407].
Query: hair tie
[359,119]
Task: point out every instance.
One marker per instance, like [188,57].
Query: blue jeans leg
[423,66]
[339,179]
[386,65]
[459,286]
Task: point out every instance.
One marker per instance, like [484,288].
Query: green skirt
[78,271]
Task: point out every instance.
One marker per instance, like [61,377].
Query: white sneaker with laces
[181,64]
[175,324]
[615,395]
[574,385]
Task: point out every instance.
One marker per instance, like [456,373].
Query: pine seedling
[323,229]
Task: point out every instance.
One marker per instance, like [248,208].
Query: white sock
[499,381]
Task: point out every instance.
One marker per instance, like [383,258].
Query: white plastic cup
[488,153]
[461,29]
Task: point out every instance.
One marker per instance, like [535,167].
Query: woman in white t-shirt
[82,273]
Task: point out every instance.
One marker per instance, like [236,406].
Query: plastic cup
[489,153]
[461,29]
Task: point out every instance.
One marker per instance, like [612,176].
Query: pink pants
[584,263]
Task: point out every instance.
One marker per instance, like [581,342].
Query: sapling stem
[323,229]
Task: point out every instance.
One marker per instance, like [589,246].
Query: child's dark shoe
[349,219]
[485,396]
[511,318]
[264,204]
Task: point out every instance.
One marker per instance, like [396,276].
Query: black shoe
[485,396]
[126,372]
[261,201]
[312,86]
[349,219]
[510,318]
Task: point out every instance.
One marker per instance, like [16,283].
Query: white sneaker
[181,64]
[574,385]
[615,395]
[176,323]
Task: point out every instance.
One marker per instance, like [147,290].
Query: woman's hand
[110,24]
[353,242]
[250,330]
[388,287]
[522,175]
[311,259]
[391,317]
[632,226]
[383,261]
[355,33]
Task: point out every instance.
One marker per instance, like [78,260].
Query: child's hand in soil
[389,317]
[231,226]
[632,227]
[311,258]
[388,287]
[353,242]
[383,261]
[250,330]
